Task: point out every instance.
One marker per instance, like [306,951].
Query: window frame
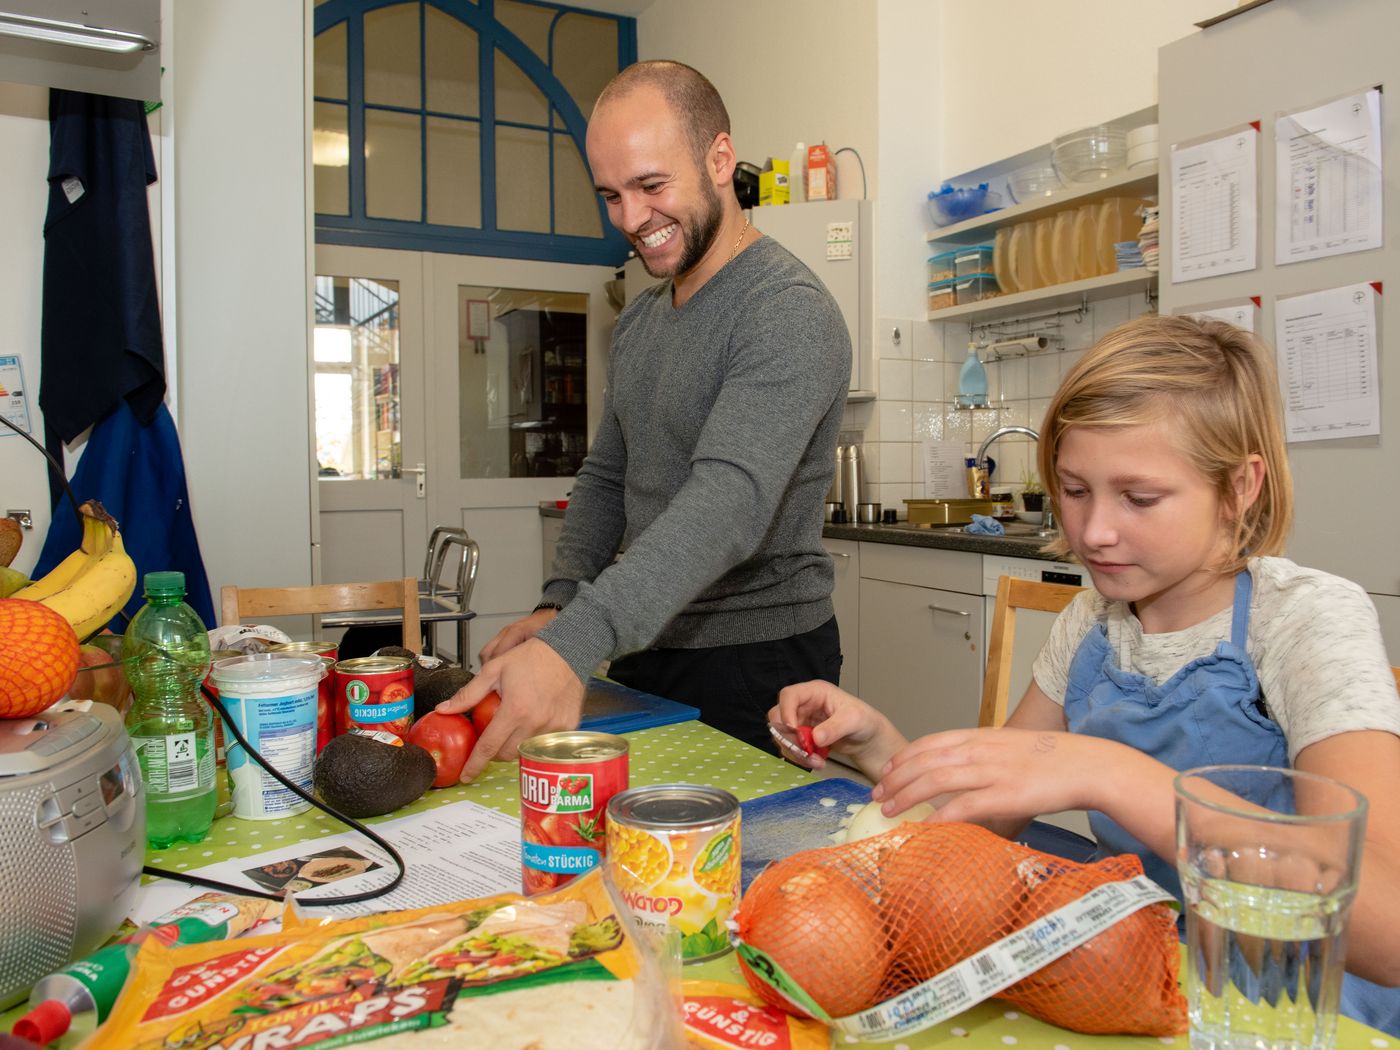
[359,229]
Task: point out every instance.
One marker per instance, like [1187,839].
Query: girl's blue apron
[1208,713]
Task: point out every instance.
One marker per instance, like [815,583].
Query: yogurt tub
[271,698]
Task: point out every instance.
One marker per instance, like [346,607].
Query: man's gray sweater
[710,467]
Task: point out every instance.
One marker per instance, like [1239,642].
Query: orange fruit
[38,657]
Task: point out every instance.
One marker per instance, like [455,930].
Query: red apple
[100,674]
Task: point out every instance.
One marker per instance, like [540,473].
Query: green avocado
[362,777]
[436,686]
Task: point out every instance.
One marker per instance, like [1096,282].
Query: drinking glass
[1268,886]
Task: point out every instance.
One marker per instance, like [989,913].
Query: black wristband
[548,605]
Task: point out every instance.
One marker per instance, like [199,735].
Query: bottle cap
[164,584]
[43,1024]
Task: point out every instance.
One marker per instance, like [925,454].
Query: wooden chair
[1013,594]
[239,603]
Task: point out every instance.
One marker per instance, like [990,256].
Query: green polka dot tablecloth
[688,752]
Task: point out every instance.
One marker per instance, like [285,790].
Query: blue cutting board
[779,825]
[612,708]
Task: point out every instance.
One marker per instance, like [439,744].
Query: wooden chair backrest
[240,603]
[1013,594]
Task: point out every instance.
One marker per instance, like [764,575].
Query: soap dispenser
[972,381]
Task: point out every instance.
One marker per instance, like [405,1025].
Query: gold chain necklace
[740,241]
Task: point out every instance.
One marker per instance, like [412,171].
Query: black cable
[54,466]
[214,884]
[864,184]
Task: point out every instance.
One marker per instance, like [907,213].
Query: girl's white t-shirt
[1314,639]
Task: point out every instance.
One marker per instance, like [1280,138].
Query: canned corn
[673,851]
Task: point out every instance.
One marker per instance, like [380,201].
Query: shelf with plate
[1069,295]
[977,230]
[1064,295]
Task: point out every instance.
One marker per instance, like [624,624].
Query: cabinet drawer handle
[944,608]
[838,554]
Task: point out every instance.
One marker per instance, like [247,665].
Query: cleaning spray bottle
[972,381]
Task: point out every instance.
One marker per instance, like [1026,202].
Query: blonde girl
[1198,643]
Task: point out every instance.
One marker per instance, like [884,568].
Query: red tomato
[484,711]
[449,739]
[808,744]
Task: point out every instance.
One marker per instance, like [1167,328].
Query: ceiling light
[72,33]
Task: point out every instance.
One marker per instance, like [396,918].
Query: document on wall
[1329,179]
[459,851]
[945,470]
[14,405]
[1215,197]
[1327,363]
[1241,315]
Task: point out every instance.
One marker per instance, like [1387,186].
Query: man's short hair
[690,95]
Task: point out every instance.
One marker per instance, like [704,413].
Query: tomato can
[374,692]
[566,782]
[673,852]
[325,696]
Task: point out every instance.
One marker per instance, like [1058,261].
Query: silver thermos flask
[852,477]
[833,494]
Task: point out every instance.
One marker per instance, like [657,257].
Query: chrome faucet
[1047,521]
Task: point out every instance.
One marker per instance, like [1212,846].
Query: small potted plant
[1032,495]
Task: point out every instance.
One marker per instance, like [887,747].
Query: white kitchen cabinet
[845,557]
[921,647]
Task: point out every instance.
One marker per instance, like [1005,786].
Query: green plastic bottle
[166,654]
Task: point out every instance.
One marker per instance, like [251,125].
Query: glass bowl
[1033,181]
[101,677]
[948,205]
[1090,154]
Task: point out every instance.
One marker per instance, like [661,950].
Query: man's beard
[697,234]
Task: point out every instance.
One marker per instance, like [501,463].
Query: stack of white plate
[1142,148]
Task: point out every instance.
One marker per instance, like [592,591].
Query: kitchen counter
[1021,540]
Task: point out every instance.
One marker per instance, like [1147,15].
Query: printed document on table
[458,851]
[1329,179]
[1215,197]
[1327,363]
[945,470]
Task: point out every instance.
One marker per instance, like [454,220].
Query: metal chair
[468,554]
[238,603]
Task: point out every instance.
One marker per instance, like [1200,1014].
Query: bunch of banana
[91,584]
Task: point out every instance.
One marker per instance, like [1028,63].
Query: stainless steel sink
[1012,528]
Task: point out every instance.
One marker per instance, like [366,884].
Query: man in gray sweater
[725,390]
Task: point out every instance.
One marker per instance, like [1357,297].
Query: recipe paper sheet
[1215,197]
[1327,363]
[945,470]
[1328,179]
[459,851]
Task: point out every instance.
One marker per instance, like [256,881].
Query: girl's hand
[842,722]
[1000,777]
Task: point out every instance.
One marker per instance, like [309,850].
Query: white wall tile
[950,379]
[928,421]
[1043,374]
[894,462]
[1013,377]
[928,341]
[955,337]
[895,379]
[957,425]
[885,343]
[1109,314]
[895,420]
[1068,360]
[984,422]
[927,381]
[1079,335]
[858,415]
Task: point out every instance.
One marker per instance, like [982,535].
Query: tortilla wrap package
[557,972]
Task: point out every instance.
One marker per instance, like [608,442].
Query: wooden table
[695,753]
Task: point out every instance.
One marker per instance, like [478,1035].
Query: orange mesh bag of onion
[892,934]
